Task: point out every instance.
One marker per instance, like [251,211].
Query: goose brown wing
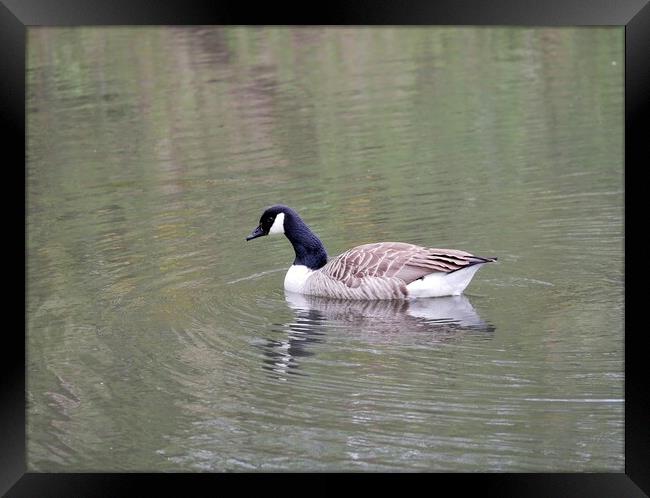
[406,262]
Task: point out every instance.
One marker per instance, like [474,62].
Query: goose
[380,270]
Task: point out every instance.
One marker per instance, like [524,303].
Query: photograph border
[17,15]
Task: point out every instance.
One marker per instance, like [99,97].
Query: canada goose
[383,270]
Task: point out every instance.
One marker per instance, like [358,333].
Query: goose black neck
[309,250]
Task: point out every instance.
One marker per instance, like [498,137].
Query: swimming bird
[381,270]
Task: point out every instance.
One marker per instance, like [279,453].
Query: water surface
[159,340]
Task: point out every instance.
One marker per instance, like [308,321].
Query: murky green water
[158,339]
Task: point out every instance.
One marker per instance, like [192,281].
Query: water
[159,340]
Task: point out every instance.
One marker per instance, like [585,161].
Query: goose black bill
[258,232]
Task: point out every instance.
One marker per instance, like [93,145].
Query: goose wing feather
[322,284]
[406,262]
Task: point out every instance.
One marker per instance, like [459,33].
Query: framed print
[252,241]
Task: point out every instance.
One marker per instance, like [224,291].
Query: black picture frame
[17,15]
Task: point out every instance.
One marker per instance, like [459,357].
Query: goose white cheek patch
[278,225]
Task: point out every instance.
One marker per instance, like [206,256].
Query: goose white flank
[382,270]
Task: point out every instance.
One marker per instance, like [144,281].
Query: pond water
[159,340]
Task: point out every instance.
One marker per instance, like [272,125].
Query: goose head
[280,219]
[271,221]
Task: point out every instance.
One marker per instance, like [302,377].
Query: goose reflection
[433,321]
